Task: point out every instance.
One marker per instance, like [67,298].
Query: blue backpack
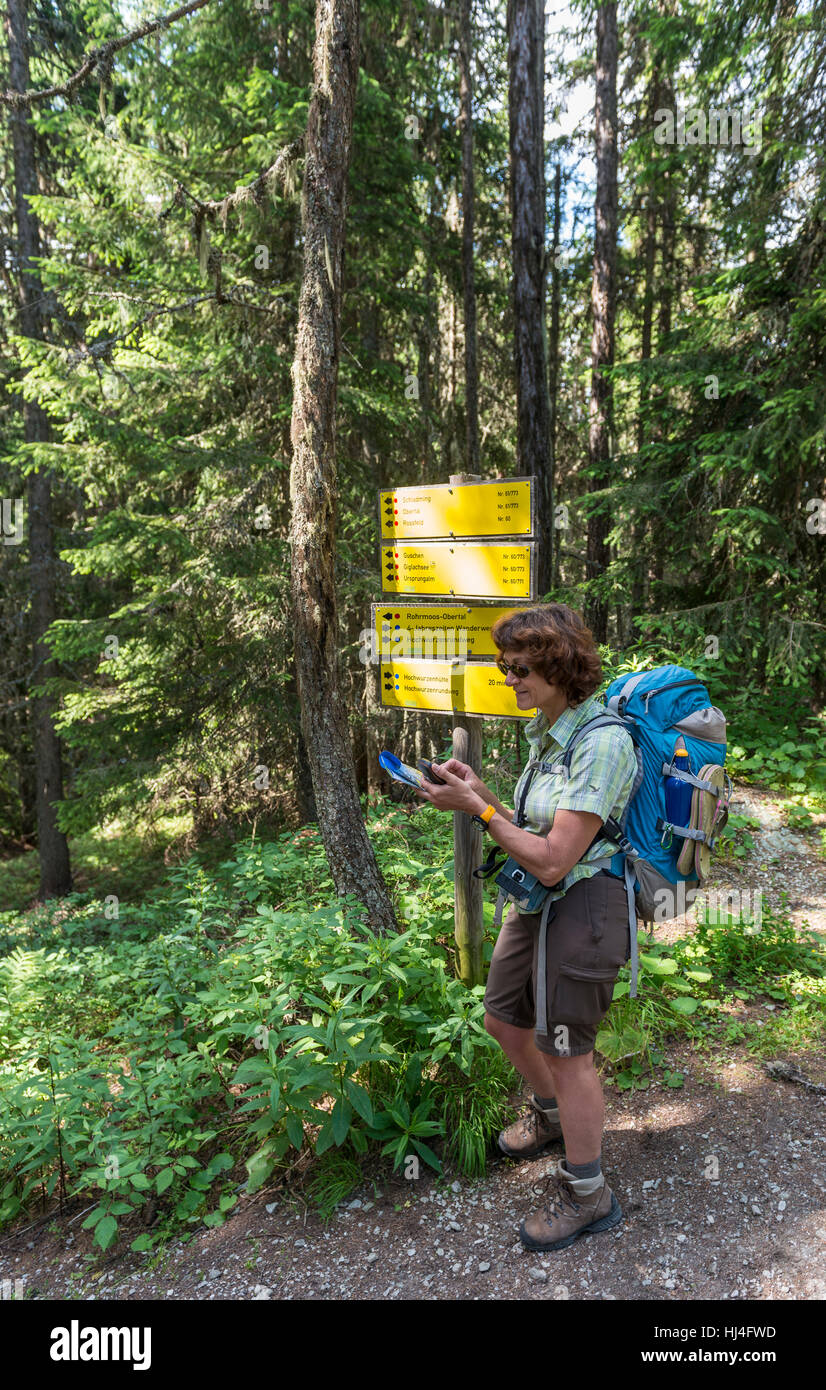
[662,709]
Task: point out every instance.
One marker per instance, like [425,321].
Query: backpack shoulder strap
[599,721]
[612,830]
[619,701]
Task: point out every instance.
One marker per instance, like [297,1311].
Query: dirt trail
[722,1185]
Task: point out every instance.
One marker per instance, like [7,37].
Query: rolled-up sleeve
[603,767]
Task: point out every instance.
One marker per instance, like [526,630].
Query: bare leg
[519,1046]
[578,1092]
[572,1080]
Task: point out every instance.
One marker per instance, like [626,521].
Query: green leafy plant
[214,1030]
[734,839]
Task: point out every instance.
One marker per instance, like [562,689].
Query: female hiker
[551,662]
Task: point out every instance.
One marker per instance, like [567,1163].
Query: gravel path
[722,1186]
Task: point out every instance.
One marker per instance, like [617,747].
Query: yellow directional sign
[463,570]
[500,507]
[425,630]
[447,687]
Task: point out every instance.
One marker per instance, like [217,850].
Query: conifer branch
[256,192]
[103,349]
[98,60]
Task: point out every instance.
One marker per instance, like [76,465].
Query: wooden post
[467,844]
[467,853]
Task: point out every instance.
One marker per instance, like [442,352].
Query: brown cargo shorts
[588,942]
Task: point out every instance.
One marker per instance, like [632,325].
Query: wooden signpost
[500,507]
[449,687]
[465,569]
[423,629]
[465,539]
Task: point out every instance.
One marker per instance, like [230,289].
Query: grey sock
[543,1103]
[585,1170]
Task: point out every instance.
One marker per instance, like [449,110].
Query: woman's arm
[548,857]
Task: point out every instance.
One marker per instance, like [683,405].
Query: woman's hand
[458,793]
[466,773]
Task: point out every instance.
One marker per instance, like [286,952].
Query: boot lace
[532,1120]
[559,1199]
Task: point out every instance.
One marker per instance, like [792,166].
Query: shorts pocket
[582,993]
[597,906]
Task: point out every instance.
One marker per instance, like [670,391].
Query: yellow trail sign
[477,687]
[463,570]
[499,507]
[428,631]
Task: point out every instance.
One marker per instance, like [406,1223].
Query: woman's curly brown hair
[557,644]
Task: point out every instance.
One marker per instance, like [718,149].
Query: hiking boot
[531,1133]
[568,1214]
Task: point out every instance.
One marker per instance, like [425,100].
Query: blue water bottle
[677,793]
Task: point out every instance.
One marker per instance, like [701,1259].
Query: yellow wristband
[488,814]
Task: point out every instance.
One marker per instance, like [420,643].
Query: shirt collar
[538,731]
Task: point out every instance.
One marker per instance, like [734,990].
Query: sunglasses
[519,671]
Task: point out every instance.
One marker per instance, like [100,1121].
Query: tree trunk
[302,775]
[667,288]
[375,722]
[469,924]
[451,453]
[553,374]
[603,301]
[468,279]
[768,189]
[313,476]
[283,37]
[428,335]
[53,850]
[640,527]
[526,107]
[424,340]
[647,309]
[668,215]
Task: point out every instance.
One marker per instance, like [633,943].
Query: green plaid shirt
[602,774]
